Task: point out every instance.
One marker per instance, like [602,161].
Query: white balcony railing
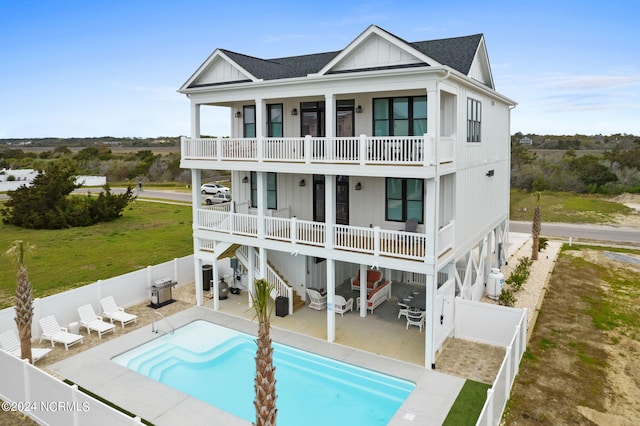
[363,150]
[375,241]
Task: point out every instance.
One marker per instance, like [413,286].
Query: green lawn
[468,405]
[148,233]
[566,207]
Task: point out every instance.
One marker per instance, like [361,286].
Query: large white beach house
[384,163]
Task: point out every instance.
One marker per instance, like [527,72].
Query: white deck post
[214,285]
[431,198]
[329,209]
[251,273]
[363,291]
[195,202]
[331,292]
[198,280]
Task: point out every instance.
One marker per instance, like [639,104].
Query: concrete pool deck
[93,369]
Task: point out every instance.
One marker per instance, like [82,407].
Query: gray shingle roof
[457,53]
[273,69]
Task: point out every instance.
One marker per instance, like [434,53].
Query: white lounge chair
[113,312]
[91,321]
[317,301]
[53,332]
[343,306]
[10,343]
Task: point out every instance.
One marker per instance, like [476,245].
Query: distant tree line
[101,161]
[102,140]
[579,142]
[611,172]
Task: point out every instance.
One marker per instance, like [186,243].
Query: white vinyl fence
[498,326]
[50,401]
[128,289]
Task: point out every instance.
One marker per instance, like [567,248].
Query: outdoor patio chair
[53,332]
[415,317]
[317,301]
[10,343]
[411,225]
[403,309]
[342,306]
[91,321]
[113,312]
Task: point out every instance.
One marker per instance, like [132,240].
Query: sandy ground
[633,202]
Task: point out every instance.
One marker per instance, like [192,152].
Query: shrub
[520,274]
[542,243]
[506,297]
[47,203]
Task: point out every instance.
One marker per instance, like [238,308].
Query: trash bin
[282,306]
[207,277]
[74,327]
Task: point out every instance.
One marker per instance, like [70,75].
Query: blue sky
[86,68]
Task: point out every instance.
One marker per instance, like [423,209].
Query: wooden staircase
[297,301]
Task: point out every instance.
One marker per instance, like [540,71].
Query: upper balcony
[363,151]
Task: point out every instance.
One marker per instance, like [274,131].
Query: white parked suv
[218,199]
[213,188]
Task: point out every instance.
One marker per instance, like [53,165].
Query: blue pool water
[217,365]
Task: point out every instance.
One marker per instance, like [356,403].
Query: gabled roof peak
[458,53]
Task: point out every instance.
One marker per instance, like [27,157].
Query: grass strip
[107,402]
[468,405]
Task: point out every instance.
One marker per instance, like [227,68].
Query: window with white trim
[474,119]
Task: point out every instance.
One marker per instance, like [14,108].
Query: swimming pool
[217,365]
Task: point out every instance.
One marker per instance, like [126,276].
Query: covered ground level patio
[381,333]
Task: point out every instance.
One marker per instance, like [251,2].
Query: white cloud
[594,82]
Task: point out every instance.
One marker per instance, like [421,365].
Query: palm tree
[23,299]
[265,383]
[535,229]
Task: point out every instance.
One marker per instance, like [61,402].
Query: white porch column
[261,201]
[196,198]
[363,291]
[331,296]
[488,260]
[433,122]
[431,201]
[330,115]
[195,120]
[330,123]
[262,272]
[251,273]
[260,126]
[197,264]
[329,209]
[214,285]
[430,318]
[195,202]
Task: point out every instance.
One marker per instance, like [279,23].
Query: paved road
[582,232]
[563,230]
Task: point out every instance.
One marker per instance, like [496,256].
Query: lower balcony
[356,239]
[358,150]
